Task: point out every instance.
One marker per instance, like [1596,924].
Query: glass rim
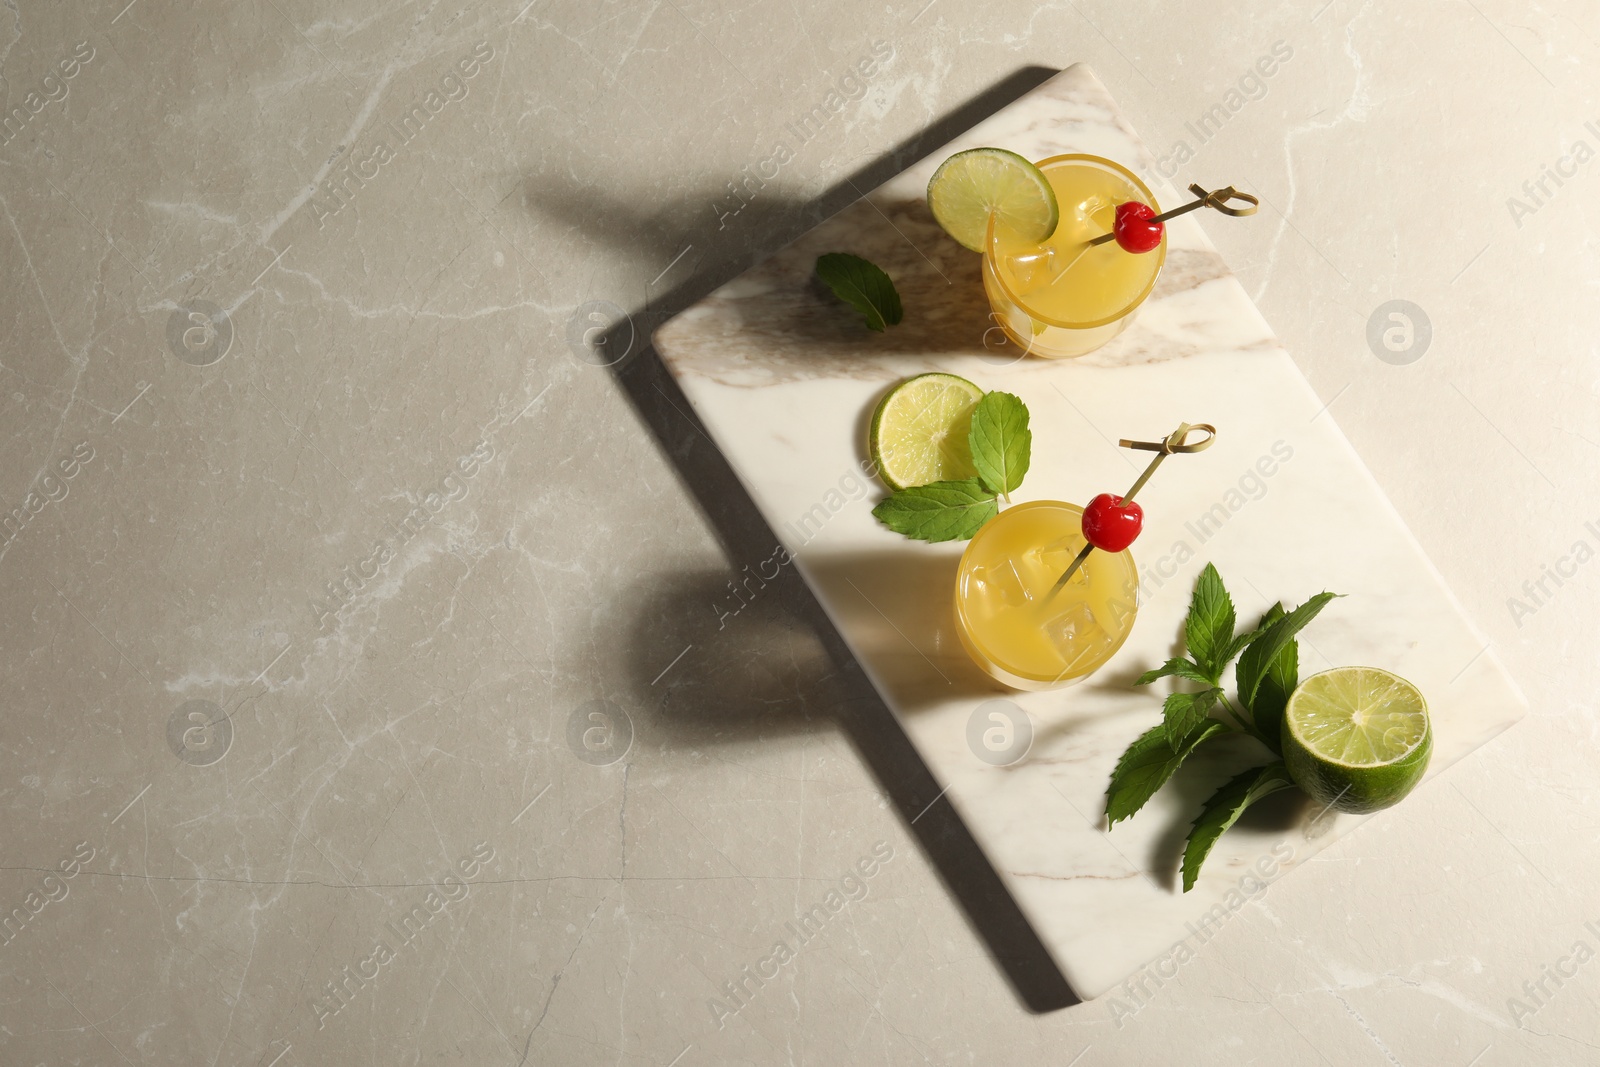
[1002,662]
[1133,304]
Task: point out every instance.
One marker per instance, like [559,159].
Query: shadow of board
[745,535]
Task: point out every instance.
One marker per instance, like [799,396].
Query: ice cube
[1017,582]
[1057,556]
[1050,268]
[1001,584]
[1097,212]
[1029,269]
[1075,634]
[1040,567]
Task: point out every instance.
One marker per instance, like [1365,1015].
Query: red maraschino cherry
[1111,523]
[1136,228]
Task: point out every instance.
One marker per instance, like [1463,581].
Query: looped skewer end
[1218,199]
[1177,441]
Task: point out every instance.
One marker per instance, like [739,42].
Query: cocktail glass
[1007,618]
[1062,297]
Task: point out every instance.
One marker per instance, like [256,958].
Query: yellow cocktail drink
[1007,619]
[1061,297]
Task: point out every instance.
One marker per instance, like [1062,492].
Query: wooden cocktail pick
[1172,444]
[1138,229]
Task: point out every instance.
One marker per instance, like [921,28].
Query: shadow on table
[727,696]
[903,620]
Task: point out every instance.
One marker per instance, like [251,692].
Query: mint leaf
[1261,651]
[1146,766]
[1272,696]
[1241,641]
[1209,627]
[1184,713]
[1224,809]
[864,286]
[940,511]
[1000,441]
[1237,645]
[1173,668]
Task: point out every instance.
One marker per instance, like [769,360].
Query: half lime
[1357,739]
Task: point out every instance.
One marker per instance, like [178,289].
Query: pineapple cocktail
[1013,620]
[1063,296]
[1071,245]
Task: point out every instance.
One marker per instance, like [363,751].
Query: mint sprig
[864,286]
[1000,444]
[1266,674]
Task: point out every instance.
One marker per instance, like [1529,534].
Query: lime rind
[971,186]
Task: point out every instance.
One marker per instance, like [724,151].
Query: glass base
[1034,338]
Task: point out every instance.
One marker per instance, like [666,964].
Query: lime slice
[972,185]
[1357,738]
[919,432]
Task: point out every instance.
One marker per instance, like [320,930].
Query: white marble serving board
[784,378]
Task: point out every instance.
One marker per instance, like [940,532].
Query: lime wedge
[972,185]
[919,432]
[1357,738]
